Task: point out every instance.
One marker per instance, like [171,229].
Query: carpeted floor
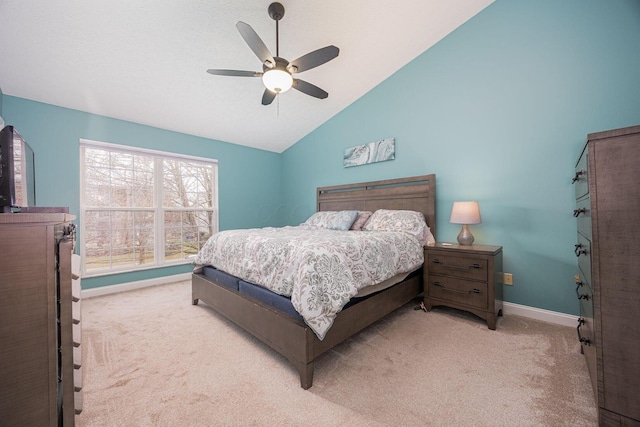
[150,358]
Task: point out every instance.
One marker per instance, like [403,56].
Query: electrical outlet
[508,278]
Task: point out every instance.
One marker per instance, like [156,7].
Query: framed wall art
[378,151]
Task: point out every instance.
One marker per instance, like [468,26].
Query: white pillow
[333,220]
[400,220]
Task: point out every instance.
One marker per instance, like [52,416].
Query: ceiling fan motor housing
[281,64]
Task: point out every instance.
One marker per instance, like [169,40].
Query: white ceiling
[145,61]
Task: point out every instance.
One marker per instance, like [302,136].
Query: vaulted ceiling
[145,61]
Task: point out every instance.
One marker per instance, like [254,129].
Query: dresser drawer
[586,334]
[586,310]
[583,215]
[583,288]
[77,335]
[458,291]
[581,178]
[77,379]
[458,266]
[76,311]
[583,251]
[77,357]
[78,401]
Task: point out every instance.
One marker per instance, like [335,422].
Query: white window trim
[159,210]
[136,150]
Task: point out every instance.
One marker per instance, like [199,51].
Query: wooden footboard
[288,335]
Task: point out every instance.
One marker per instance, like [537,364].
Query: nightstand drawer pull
[456,267]
[444,288]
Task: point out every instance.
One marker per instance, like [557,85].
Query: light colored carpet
[150,358]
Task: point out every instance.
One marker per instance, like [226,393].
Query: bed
[288,333]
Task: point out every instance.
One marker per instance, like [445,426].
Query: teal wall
[249,179]
[499,110]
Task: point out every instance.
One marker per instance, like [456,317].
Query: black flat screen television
[17,172]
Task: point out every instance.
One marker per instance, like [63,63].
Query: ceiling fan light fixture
[277,80]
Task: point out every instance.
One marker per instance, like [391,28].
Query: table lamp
[465,213]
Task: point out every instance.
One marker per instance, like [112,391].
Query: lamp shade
[277,80]
[465,213]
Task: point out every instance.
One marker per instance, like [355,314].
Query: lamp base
[465,237]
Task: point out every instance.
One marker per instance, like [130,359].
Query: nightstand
[464,277]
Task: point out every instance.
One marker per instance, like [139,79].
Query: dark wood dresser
[464,277]
[607,187]
[36,329]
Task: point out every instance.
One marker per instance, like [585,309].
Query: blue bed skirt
[264,295]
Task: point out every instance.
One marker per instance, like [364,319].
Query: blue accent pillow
[333,220]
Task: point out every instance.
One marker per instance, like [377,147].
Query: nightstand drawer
[459,266]
[459,291]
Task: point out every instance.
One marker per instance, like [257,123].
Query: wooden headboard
[416,193]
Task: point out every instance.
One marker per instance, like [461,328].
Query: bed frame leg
[306,374]
[195,301]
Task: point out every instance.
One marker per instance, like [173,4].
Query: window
[143,209]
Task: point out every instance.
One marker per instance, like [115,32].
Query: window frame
[158,207]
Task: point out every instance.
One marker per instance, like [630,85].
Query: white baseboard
[540,314]
[112,289]
[507,307]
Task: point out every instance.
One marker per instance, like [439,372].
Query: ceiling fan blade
[255,42]
[309,89]
[268,97]
[315,58]
[235,73]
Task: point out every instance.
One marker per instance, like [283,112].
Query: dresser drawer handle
[456,267]
[578,250]
[577,176]
[579,284]
[583,340]
[444,288]
[577,212]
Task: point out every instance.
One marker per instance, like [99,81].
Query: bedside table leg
[491,322]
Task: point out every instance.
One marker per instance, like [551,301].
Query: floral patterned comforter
[319,269]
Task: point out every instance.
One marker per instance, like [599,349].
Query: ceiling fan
[277,73]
